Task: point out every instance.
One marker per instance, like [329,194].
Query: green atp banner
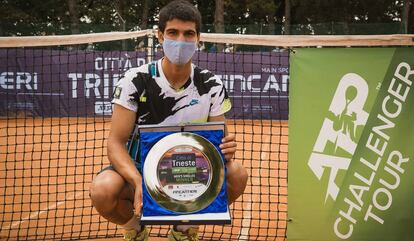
[351,144]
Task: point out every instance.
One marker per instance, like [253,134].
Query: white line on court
[247,210]
[35,214]
[247,216]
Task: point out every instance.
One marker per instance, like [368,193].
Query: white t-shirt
[146,90]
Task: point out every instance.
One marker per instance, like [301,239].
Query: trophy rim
[152,183]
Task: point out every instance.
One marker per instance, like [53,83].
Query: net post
[150,47]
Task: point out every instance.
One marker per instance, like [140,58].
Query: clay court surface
[47,165]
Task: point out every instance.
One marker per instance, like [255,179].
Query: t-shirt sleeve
[125,92]
[220,101]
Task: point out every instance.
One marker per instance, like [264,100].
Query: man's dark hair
[182,10]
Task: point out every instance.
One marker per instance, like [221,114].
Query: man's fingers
[228,138]
[228,145]
[229,150]
[137,209]
[137,203]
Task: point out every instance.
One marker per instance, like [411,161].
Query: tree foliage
[37,17]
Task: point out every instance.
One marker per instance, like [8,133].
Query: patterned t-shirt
[146,91]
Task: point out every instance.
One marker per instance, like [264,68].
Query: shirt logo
[143,99]
[194,102]
[117,92]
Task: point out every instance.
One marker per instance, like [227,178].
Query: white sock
[184,228]
[133,223]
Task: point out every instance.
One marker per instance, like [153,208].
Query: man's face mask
[179,52]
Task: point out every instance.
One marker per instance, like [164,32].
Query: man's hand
[228,146]
[138,201]
[228,143]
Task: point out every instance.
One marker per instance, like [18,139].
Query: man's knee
[237,177]
[236,173]
[104,192]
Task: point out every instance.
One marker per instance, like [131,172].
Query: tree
[287,17]
[261,12]
[37,17]
[219,16]
[219,20]
[145,13]
[120,13]
[405,14]
[74,16]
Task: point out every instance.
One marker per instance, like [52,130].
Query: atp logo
[338,136]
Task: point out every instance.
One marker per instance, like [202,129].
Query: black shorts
[110,167]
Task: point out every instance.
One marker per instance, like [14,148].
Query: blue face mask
[178,52]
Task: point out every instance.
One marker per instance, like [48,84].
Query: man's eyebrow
[175,29]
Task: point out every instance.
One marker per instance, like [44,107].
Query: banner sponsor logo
[76,83]
[103,108]
[117,63]
[18,81]
[340,129]
[365,193]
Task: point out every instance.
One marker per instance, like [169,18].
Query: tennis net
[55,109]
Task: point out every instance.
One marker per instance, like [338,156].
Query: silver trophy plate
[183,172]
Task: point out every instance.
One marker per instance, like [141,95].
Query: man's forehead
[180,25]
